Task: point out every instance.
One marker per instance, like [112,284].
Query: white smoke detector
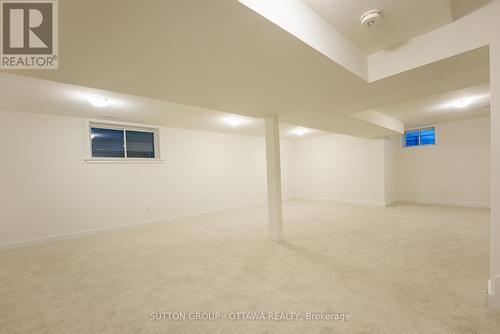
[371,17]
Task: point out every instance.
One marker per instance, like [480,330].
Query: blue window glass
[412,138]
[428,136]
[107,143]
[140,144]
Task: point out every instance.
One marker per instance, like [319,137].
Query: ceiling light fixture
[461,103]
[300,131]
[234,121]
[371,17]
[98,101]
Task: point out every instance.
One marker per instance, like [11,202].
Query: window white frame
[403,137]
[104,124]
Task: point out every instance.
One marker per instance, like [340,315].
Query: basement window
[419,137]
[122,142]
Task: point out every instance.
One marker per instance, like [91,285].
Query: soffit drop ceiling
[23,94]
[437,109]
[401,19]
[222,56]
[464,7]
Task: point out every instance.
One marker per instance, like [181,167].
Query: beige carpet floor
[402,269]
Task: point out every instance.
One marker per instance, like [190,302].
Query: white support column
[494,284]
[274,178]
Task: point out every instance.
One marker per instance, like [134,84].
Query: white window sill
[123,161]
[419,147]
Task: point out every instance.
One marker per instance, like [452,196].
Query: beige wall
[390,150]
[494,286]
[47,189]
[340,168]
[456,171]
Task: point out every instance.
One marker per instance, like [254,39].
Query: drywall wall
[390,146]
[456,171]
[341,168]
[47,189]
[494,282]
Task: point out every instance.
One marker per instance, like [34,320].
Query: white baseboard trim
[494,298]
[446,203]
[276,237]
[75,235]
[345,201]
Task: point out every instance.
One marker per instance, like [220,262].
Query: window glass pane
[140,144]
[428,136]
[107,143]
[411,138]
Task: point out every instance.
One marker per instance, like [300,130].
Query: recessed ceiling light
[98,101]
[300,131]
[461,103]
[233,121]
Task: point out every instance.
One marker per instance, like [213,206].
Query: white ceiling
[464,7]
[401,19]
[438,108]
[24,94]
[220,55]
